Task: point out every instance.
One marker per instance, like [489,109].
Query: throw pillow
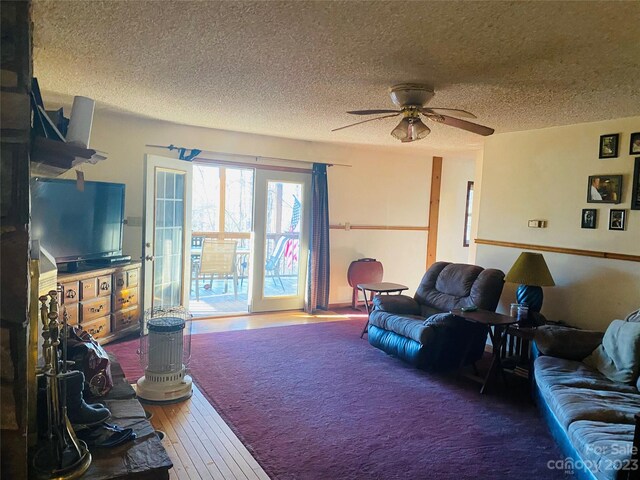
[618,358]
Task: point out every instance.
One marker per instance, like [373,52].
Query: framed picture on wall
[635,188]
[604,189]
[609,145]
[617,219]
[589,217]
[634,143]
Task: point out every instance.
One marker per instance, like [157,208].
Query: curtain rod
[194,152]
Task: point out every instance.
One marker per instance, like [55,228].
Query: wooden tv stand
[103,301]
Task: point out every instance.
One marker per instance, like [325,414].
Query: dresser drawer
[72,313]
[88,288]
[97,328]
[125,319]
[132,278]
[125,299]
[119,280]
[70,292]
[94,309]
[104,286]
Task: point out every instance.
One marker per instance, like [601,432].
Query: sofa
[589,396]
[422,332]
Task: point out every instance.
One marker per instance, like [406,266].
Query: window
[466,239]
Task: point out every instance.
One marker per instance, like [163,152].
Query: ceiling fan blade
[371,112]
[453,111]
[365,121]
[463,124]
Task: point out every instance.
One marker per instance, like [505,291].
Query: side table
[516,349]
[496,325]
[378,288]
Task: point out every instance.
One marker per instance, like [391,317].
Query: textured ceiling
[293,68]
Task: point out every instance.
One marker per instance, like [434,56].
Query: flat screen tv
[75,225]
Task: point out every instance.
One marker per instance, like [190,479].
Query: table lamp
[531,272]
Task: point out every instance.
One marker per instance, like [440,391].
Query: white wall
[456,172]
[383,186]
[543,174]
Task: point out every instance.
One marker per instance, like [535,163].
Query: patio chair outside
[272,265]
[218,258]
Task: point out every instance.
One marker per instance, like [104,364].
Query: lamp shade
[530,269]
[410,129]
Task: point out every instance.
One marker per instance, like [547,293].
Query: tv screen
[74,225]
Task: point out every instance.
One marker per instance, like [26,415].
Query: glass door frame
[153,164]
[223,172]
[258,301]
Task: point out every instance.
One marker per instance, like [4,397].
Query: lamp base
[531,295]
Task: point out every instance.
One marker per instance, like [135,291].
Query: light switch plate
[537,223]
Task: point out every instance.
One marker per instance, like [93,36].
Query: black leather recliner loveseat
[422,332]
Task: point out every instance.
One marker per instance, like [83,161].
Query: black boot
[79,412]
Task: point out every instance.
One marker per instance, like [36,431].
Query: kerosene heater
[165,351]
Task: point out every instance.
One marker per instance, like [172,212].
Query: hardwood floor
[198,441]
[267,320]
[200,444]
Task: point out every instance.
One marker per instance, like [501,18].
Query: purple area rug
[317,402]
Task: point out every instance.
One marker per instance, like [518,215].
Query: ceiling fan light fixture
[418,130]
[410,129]
[401,132]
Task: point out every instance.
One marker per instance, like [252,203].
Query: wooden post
[223,201]
[434,210]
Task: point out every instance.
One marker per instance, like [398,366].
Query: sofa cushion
[618,357]
[398,304]
[447,286]
[551,372]
[410,326]
[570,404]
[602,446]
[456,281]
[566,342]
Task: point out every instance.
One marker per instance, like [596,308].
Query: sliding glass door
[222,219]
[281,228]
[249,241]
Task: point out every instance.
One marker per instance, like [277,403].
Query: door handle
[149,258]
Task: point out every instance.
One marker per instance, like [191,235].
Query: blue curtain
[318,284]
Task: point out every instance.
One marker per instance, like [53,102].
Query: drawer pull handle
[95,331]
[71,293]
[87,285]
[104,286]
[95,310]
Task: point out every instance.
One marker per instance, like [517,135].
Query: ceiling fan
[412,98]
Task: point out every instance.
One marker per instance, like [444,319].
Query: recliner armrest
[399,304]
[565,342]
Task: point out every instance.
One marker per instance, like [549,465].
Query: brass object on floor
[63,456]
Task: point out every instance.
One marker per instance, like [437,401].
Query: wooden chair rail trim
[380,227]
[568,251]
